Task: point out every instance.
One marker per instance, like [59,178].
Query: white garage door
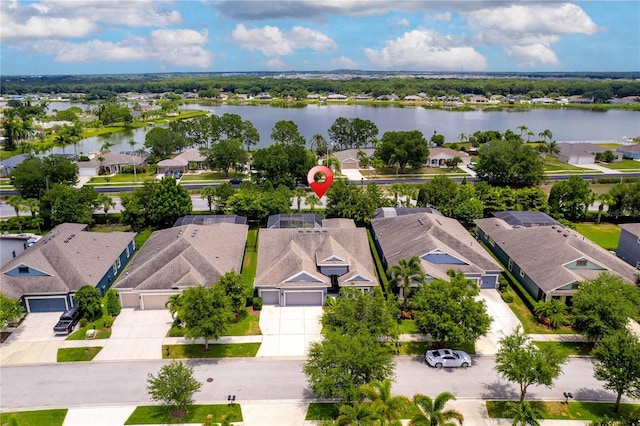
[87,172]
[303,298]
[130,300]
[154,301]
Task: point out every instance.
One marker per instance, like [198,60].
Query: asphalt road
[113,383]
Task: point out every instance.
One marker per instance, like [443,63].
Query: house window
[13,253]
[510,264]
[638,240]
[118,264]
[23,269]
[521,273]
[127,251]
[575,286]
[493,243]
[581,262]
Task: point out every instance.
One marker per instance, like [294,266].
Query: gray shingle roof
[285,253]
[184,256]
[542,252]
[405,236]
[71,256]
[632,228]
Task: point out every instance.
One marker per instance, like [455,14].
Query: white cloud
[404,22]
[342,62]
[63,19]
[271,41]
[444,16]
[275,64]
[178,48]
[426,49]
[530,55]
[527,31]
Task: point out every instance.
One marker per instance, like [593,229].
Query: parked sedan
[448,358]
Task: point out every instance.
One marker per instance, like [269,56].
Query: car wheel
[439,365]
[465,364]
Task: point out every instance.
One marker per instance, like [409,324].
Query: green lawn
[323,411]
[407,327]
[530,323]
[567,348]
[120,178]
[247,324]
[142,238]
[553,165]
[626,164]
[606,235]
[78,354]
[211,176]
[35,418]
[215,351]
[558,410]
[203,414]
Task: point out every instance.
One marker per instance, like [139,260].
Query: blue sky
[146,36]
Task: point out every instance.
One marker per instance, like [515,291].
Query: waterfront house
[629,244]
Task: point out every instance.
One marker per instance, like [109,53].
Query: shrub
[84,322]
[87,299]
[152,169]
[257,303]
[84,158]
[113,303]
[107,322]
[507,297]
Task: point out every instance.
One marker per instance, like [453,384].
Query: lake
[566,124]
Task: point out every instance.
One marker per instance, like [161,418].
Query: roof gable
[303,276]
[438,256]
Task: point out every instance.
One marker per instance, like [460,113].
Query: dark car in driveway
[235,181]
[177,175]
[67,321]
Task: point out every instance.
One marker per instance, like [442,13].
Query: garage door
[303,298]
[154,301]
[488,281]
[270,297]
[129,300]
[46,304]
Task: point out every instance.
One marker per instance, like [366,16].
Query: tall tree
[286,132]
[545,134]
[284,164]
[571,198]
[205,312]
[617,364]
[519,360]
[250,135]
[224,155]
[603,305]
[509,163]
[105,202]
[523,414]
[169,202]
[233,286]
[432,412]
[405,273]
[88,301]
[34,175]
[299,193]
[174,385]
[449,311]
[208,193]
[404,148]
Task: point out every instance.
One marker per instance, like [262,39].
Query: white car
[447,358]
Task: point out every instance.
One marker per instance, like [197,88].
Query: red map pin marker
[320,187]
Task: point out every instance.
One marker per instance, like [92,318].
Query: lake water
[565,124]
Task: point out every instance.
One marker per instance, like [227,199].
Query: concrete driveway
[288,331]
[504,322]
[33,341]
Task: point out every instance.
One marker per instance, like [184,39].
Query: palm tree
[132,144]
[605,200]
[105,202]
[431,411]
[546,134]
[523,414]
[523,129]
[37,222]
[299,193]
[403,274]
[312,201]
[33,205]
[17,202]
[394,190]
[529,134]
[62,137]
[208,193]
[333,163]
[551,148]
[319,145]
[357,415]
[462,137]
[389,407]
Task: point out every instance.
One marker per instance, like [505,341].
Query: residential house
[11,245]
[9,164]
[47,274]
[413,98]
[438,156]
[627,151]
[176,258]
[441,243]
[547,259]
[336,97]
[110,162]
[478,99]
[349,159]
[629,244]
[181,162]
[580,152]
[301,266]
